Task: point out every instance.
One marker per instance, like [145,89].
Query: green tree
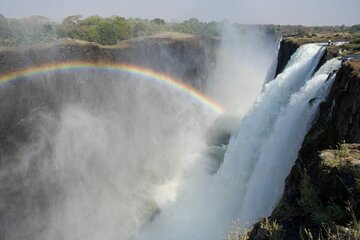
[4,27]
[68,26]
[355,28]
[122,28]
[140,29]
[107,33]
[158,21]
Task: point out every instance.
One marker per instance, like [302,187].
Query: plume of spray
[97,156]
[243,60]
[117,158]
[203,205]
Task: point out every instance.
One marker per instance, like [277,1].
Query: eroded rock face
[324,183]
[339,115]
[183,56]
[287,49]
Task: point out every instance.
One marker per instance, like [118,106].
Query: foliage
[284,210]
[194,26]
[158,21]
[312,206]
[274,229]
[309,200]
[5,31]
[339,157]
[236,233]
[26,30]
[342,150]
[105,31]
[355,28]
[271,229]
[110,30]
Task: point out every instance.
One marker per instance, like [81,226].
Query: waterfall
[126,159]
[279,151]
[258,158]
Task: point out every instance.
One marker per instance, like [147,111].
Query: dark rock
[333,174]
[287,49]
[258,233]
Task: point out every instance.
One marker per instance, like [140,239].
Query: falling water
[279,151]
[108,166]
[207,204]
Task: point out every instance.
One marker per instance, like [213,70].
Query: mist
[243,61]
[203,200]
[95,160]
[98,154]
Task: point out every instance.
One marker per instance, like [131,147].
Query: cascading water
[280,149]
[104,165]
[207,204]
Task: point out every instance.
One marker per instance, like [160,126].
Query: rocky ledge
[342,45]
[184,56]
[321,199]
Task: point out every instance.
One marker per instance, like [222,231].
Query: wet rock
[325,180]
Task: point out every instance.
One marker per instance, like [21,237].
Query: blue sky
[305,12]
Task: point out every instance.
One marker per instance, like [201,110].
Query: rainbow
[126,68]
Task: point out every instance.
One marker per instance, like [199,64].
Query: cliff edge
[321,199]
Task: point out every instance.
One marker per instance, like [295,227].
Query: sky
[304,12]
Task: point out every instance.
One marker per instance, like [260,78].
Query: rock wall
[185,57]
[287,49]
[322,191]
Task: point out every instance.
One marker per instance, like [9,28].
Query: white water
[207,204]
[118,166]
[279,151]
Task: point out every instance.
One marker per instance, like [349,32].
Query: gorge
[104,153]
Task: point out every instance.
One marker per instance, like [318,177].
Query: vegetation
[236,233]
[325,220]
[110,30]
[343,151]
[312,206]
[271,229]
[337,158]
[334,231]
[26,30]
[105,31]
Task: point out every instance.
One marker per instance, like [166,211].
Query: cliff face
[322,192]
[287,49]
[184,56]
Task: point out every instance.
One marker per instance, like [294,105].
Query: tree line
[106,31]
[110,30]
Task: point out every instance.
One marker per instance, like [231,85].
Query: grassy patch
[343,151]
[274,229]
[312,206]
[336,158]
[269,228]
[236,233]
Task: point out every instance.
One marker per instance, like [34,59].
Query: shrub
[343,150]
[274,229]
